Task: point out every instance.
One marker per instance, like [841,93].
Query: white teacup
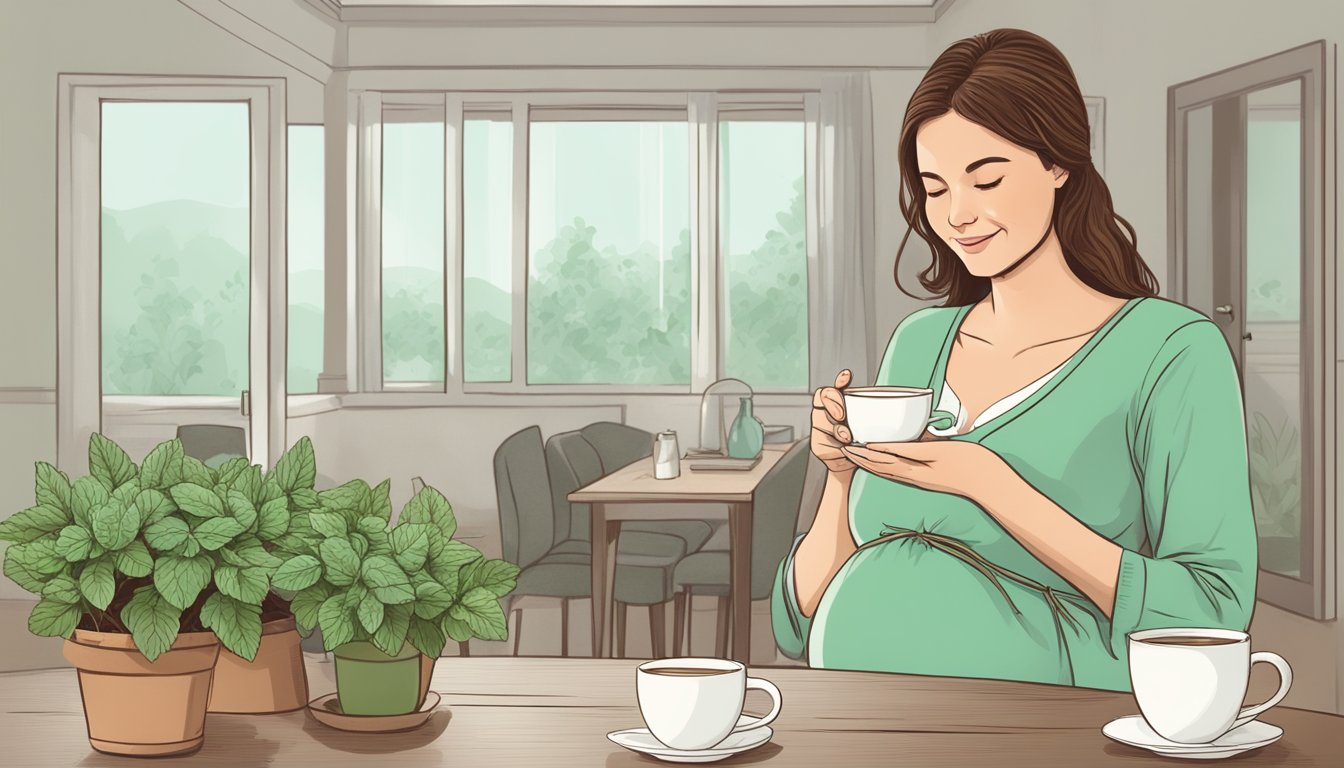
[1190,683]
[887,414]
[694,703]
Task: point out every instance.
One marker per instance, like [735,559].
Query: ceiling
[632,11]
[630,3]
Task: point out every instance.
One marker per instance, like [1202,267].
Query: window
[762,236]
[412,244]
[175,252]
[609,262]
[306,258]
[639,242]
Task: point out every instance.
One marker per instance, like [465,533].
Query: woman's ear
[1061,176]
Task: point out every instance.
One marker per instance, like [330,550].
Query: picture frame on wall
[1096,118]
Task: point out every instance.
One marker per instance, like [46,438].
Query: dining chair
[538,538]
[776,506]
[212,444]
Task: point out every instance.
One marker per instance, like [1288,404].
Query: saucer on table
[327,710]
[1135,731]
[641,740]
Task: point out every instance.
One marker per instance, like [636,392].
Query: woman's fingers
[842,379]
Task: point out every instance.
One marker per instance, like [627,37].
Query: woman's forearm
[1084,558]
[827,545]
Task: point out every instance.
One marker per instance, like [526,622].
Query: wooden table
[635,485]
[501,712]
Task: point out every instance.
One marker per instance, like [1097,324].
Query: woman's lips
[976,244]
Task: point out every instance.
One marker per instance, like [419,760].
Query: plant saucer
[327,710]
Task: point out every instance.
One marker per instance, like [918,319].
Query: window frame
[702,111]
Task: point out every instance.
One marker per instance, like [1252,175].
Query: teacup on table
[889,414]
[695,703]
[1190,683]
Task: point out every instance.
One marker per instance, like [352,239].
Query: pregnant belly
[903,606]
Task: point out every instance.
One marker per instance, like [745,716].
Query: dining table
[633,493]
[498,712]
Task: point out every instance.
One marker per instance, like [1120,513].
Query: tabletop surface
[500,711]
[635,481]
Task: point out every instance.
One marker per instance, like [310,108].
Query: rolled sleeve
[790,625]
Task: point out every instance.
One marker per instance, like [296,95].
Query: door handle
[245,402]
[1225,309]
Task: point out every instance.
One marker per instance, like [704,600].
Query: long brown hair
[1019,86]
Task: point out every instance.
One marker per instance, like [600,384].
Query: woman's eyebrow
[970,168]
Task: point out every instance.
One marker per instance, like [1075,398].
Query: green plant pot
[370,682]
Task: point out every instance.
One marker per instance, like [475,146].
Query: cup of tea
[1191,683]
[889,414]
[694,703]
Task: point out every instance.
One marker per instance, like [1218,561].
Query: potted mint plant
[387,598]
[129,613]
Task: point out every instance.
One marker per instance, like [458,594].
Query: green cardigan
[1141,436]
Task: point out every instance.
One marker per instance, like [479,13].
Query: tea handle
[762,684]
[1285,680]
[941,420]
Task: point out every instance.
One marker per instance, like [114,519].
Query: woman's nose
[962,211]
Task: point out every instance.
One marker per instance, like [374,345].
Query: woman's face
[978,184]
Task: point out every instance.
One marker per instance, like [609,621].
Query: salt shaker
[666,456]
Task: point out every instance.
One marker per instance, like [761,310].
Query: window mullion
[702,113]
[518,373]
[453,374]
[370,227]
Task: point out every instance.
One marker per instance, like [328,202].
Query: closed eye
[990,185]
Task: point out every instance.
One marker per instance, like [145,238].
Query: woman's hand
[961,467]
[829,432]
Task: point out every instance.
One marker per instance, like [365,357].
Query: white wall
[1130,52]
[39,40]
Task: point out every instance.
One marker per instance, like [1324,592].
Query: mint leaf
[216,532]
[230,470]
[197,500]
[109,463]
[241,508]
[456,628]
[181,579]
[429,506]
[40,556]
[348,497]
[154,506]
[305,498]
[391,635]
[18,570]
[380,501]
[237,624]
[62,589]
[299,572]
[34,523]
[97,583]
[134,560]
[248,482]
[334,620]
[88,495]
[370,526]
[74,543]
[53,487]
[247,550]
[162,468]
[448,575]
[340,561]
[167,534]
[455,554]
[114,525]
[306,604]
[50,618]
[360,544]
[297,468]
[370,613]
[328,524]
[273,519]
[427,637]
[153,621]
[498,576]
[387,580]
[431,600]
[410,545]
[246,584]
[481,610]
[126,492]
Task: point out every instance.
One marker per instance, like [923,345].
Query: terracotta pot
[274,681]
[141,708]
[426,673]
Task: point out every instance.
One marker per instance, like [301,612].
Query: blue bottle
[747,434]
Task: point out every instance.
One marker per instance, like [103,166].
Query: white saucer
[640,740]
[1135,731]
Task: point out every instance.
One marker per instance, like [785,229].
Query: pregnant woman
[1095,480]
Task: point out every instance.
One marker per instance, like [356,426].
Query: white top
[952,404]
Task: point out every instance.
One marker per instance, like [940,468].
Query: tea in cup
[888,414]
[694,703]
[1190,683]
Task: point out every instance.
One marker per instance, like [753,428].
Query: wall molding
[27,395]
[633,13]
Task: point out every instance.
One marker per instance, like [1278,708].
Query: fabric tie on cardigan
[987,568]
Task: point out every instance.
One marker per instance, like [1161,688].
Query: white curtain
[841,239]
